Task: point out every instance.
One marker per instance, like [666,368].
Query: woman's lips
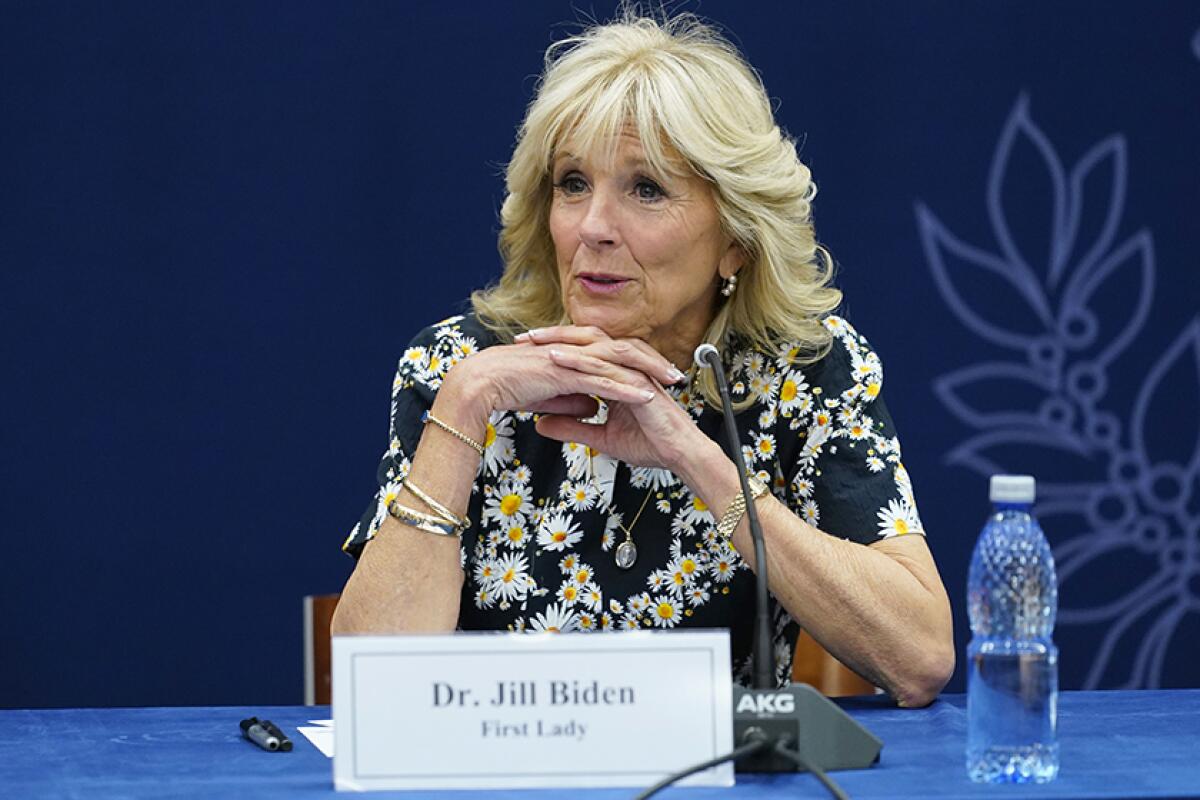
[601,284]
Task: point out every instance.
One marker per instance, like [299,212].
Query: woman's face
[639,254]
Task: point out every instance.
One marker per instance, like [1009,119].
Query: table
[1114,745]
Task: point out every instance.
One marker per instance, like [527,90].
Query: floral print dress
[546,516]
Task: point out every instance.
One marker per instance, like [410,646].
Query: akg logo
[766,704]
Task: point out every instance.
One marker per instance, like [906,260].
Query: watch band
[737,508]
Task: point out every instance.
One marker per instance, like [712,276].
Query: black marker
[265,734]
[285,744]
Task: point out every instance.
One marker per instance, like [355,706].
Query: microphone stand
[763,671]
[777,730]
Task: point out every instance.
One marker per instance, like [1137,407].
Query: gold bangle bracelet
[424,522]
[462,523]
[462,437]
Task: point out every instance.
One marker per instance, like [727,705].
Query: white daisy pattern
[558,532]
[498,443]
[546,516]
[555,619]
[511,578]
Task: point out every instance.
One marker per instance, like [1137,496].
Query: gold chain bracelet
[462,437]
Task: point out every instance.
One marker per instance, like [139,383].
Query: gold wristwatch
[733,514]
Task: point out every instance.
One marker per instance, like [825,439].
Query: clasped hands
[557,372]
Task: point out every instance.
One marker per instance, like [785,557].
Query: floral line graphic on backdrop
[1065,304]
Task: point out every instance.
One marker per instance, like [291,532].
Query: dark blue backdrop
[221,222]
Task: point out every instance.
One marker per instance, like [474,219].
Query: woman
[653,204]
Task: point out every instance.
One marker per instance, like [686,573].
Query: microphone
[707,355]
[796,727]
[763,668]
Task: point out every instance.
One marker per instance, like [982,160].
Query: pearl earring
[729,285]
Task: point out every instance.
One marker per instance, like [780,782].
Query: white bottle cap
[1012,489]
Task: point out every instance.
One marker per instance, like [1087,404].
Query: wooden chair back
[318,616]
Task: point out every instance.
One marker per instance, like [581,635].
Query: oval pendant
[626,554]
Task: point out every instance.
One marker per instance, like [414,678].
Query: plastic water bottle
[1012,679]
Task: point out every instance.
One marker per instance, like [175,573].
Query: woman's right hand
[524,377]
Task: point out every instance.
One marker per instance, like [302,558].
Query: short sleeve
[843,466]
[419,374]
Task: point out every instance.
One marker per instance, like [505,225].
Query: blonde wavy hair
[696,105]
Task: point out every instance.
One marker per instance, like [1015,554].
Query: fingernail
[675,375]
[649,395]
[555,353]
[529,334]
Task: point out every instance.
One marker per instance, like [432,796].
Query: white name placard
[491,710]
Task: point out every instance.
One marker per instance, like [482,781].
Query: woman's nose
[599,228]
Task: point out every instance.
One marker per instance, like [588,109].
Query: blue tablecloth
[1114,744]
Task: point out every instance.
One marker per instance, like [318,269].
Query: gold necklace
[626,553]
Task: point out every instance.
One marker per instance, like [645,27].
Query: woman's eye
[648,190]
[572,184]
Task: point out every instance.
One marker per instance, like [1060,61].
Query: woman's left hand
[655,434]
